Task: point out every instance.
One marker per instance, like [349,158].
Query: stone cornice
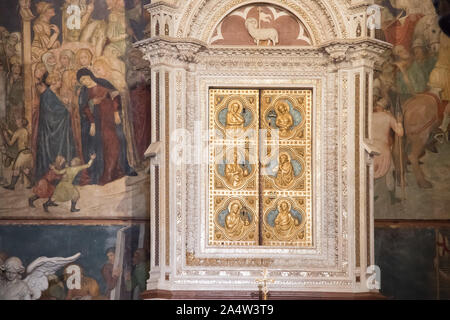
[182,53]
[262,51]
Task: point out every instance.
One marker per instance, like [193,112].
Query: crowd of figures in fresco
[411,93]
[90,98]
[11,90]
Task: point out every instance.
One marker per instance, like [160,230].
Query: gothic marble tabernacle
[220,214]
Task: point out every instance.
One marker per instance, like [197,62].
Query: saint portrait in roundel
[284,120]
[234,116]
[235,220]
[234,170]
[285,223]
[284,115]
[235,224]
[285,173]
[285,169]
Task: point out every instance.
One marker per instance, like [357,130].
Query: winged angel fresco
[12,287]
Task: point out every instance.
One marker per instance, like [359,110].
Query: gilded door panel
[286,167]
[233,167]
[285,220]
[234,114]
[260,198]
[235,220]
[285,170]
[285,114]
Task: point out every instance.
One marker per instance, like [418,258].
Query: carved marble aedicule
[236,205]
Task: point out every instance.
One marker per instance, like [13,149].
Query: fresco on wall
[411,115]
[113,263]
[74,109]
[414,262]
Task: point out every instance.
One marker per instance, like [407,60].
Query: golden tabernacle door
[260,190]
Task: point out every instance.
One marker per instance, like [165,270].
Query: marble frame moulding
[183,71]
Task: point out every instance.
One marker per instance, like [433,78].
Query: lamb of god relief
[261,25]
[260,168]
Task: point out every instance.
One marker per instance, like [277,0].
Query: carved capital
[25,10]
[360,52]
[368,52]
[170,51]
[187,51]
[337,52]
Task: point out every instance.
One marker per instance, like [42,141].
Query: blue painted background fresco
[31,242]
